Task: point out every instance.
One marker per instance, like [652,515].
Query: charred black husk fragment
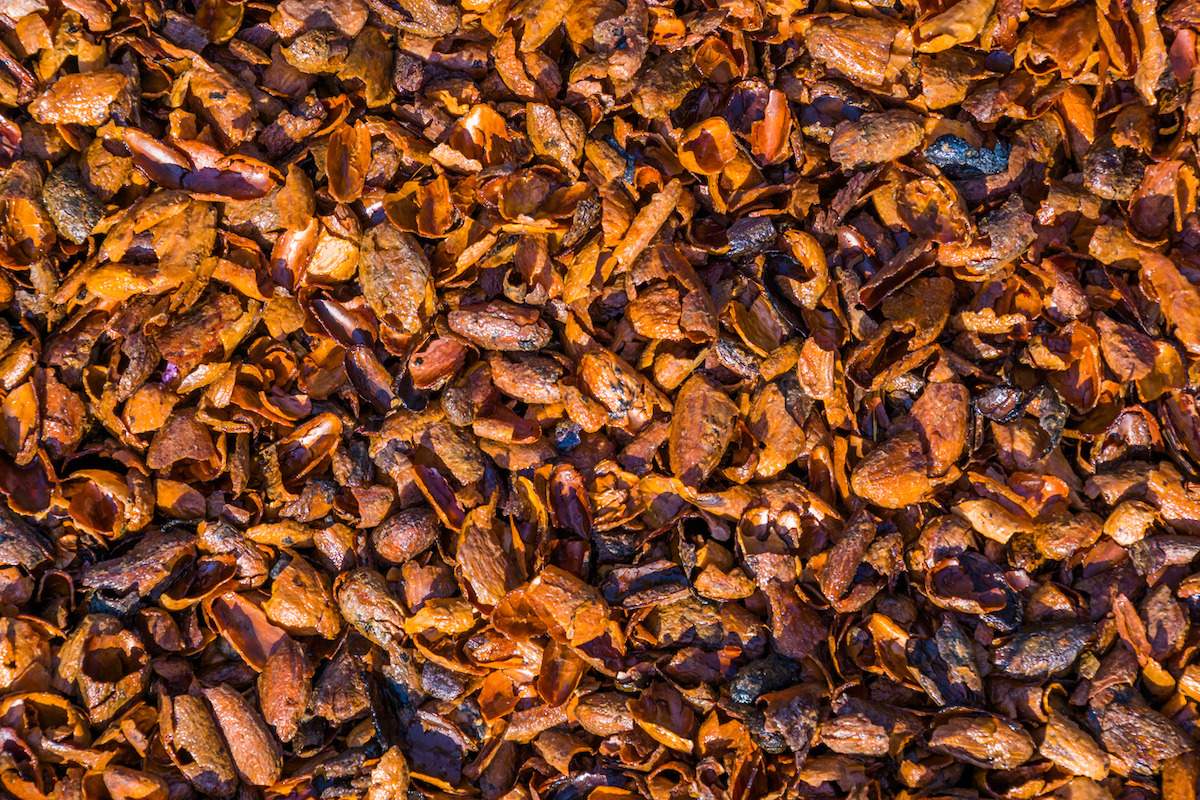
[954,156]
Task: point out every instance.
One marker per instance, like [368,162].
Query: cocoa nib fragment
[74,209]
[1039,653]
[145,567]
[1136,737]
[768,675]
[500,326]
[984,740]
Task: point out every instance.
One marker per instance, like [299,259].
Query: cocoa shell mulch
[599,400]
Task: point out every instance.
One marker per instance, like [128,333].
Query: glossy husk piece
[599,400]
